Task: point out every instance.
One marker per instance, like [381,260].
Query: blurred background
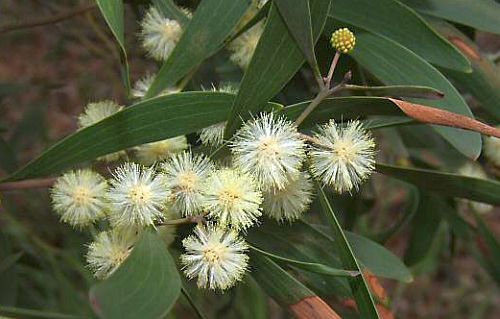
[49,72]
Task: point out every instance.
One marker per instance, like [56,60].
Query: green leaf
[481,190]
[362,295]
[394,64]
[416,91]
[212,23]
[380,261]
[285,289]
[313,267]
[146,285]
[171,11]
[425,227]
[147,121]
[276,59]
[33,313]
[297,16]
[479,14]
[113,13]
[484,81]
[391,19]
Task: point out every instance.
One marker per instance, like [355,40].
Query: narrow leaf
[288,291]
[297,16]
[113,12]
[394,64]
[313,267]
[360,290]
[146,285]
[171,11]
[479,14]
[396,21]
[276,59]
[212,23]
[416,91]
[481,190]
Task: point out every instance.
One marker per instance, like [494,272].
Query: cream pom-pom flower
[141,87]
[289,203]
[270,149]
[148,154]
[109,249]
[79,197]
[96,112]
[232,198]
[473,169]
[137,196]
[243,47]
[184,176]
[213,135]
[215,256]
[344,156]
[492,149]
[159,34]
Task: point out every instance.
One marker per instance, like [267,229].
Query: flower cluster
[270,172]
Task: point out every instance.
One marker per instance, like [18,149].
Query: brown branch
[47,20]
[187,220]
[28,184]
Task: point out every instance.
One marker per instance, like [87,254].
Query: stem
[47,20]
[187,220]
[335,60]
[28,184]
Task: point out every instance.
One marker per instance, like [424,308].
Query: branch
[187,220]
[28,184]
[47,20]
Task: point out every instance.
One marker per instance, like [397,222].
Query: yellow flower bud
[343,40]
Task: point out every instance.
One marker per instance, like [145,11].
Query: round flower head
[270,149]
[216,256]
[243,47]
[150,153]
[345,156]
[184,175]
[472,169]
[142,86]
[290,202]
[232,198]
[492,149]
[95,112]
[109,250]
[137,197]
[79,197]
[343,40]
[213,135]
[159,34]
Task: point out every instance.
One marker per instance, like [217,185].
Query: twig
[323,94]
[187,220]
[328,80]
[28,184]
[47,20]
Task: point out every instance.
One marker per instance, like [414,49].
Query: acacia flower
[137,197]
[345,156]
[243,47]
[270,149]
[492,149]
[216,256]
[96,112]
[109,249]
[148,154]
[141,87]
[343,40]
[472,169]
[159,34]
[184,175]
[289,203]
[232,198]
[79,197]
